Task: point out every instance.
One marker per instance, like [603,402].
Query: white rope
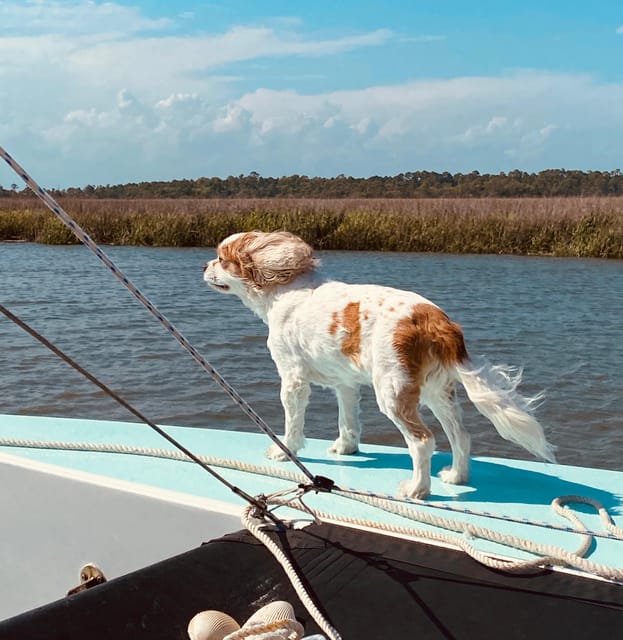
[615,533]
[256,529]
[167,454]
[549,554]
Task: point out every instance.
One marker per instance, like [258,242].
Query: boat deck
[511,488]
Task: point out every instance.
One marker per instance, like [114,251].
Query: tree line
[416,184]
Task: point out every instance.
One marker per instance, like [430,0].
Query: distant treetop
[413,184]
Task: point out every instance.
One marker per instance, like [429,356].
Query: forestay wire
[66,219]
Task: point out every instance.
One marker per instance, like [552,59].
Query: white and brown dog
[342,336]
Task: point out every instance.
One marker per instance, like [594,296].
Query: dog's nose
[205,266]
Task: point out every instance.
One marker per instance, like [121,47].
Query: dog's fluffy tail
[493,390]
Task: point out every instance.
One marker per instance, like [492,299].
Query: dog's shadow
[492,481]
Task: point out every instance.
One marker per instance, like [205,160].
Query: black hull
[369,586]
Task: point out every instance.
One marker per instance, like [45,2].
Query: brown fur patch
[267,259]
[425,338]
[229,256]
[351,343]
[335,323]
[408,401]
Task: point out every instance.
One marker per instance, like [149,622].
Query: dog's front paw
[453,476]
[274,452]
[343,447]
[413,489]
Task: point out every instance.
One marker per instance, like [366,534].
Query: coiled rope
[256,528]
[550,554]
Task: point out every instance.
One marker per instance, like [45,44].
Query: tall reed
[584,227]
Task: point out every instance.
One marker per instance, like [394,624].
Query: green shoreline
[570,227]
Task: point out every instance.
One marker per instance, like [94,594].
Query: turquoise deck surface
[518,489]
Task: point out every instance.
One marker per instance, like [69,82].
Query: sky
[135,90]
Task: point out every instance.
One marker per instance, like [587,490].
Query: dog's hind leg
[399,403]
[442,401]
[348,421]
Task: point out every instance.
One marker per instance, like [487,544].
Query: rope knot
[320,484]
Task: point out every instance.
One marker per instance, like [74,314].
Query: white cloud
[479,131]
[74,17]
[530,144]
[106,49]
[232,118]
[68,63]
[442,125]
[177,57]
[115,105]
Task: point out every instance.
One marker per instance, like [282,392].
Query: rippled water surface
[560,319]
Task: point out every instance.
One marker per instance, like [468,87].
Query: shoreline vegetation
[582,226]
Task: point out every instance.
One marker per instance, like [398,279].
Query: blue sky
[111,92]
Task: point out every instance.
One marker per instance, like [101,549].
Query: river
[559,319]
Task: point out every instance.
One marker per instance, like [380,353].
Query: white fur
[343,336]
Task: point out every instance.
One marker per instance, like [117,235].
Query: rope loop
[256,529]
[319,484]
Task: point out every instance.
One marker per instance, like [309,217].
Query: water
[560,319]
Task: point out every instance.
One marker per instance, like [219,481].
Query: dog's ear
[275,258]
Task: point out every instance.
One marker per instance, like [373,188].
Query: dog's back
[360,327]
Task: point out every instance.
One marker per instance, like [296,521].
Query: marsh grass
[583,227]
